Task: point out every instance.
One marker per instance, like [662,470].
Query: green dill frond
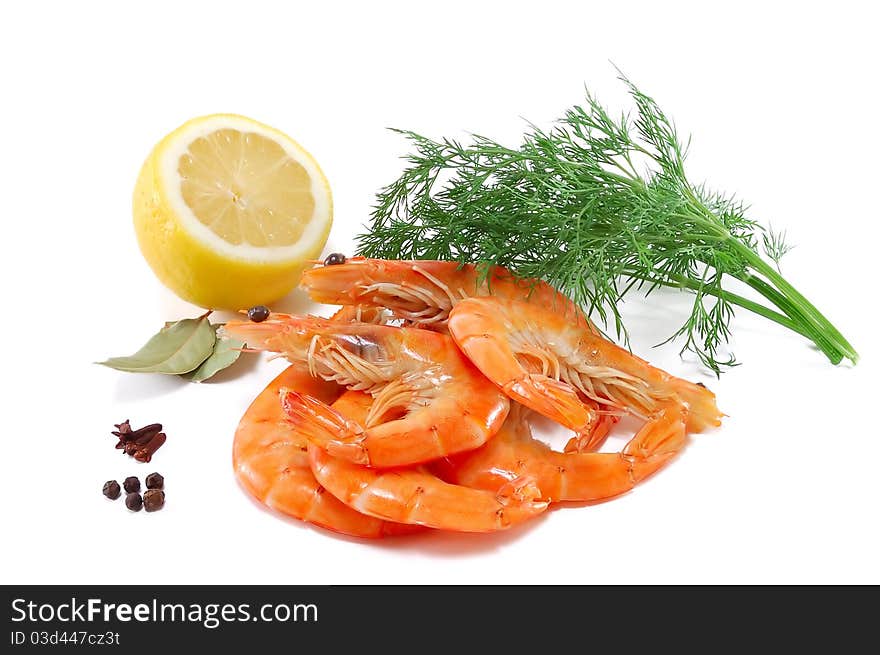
[775,245]
[598,206]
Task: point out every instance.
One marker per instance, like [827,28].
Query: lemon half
[228,211]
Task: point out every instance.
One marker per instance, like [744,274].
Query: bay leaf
[177,348]
[224,355]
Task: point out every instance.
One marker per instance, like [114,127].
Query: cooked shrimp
[423,292]
[361,314]
[415,495]
[514,454]
[554,366]
[271,462]
[429,400]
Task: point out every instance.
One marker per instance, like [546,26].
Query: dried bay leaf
[179,347]
[226,352]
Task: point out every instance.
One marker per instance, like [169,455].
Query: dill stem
[736,299]
[809,313]
[806,327]
[805,318]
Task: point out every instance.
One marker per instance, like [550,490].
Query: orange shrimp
[415,495]
[271,462]
[423,292]
[429,400]
[361,314]
[572,476]
[558,367]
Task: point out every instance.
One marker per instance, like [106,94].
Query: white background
[781,100]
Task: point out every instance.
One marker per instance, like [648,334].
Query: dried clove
[145,452]
[122,429]
[141,443]
[141,435]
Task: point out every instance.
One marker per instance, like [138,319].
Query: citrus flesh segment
[246,189]
[228,212]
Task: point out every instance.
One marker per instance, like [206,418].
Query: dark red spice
[258,314]
[154,481]
[141,443]
[134,502]
[154,499]
[334,259]
[111,489]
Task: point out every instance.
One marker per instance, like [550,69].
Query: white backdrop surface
[781,100]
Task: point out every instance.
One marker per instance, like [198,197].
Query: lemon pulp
[228,211]
[246,189]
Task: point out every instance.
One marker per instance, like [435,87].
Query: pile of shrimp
[410,408]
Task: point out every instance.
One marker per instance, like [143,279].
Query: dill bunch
[597,206]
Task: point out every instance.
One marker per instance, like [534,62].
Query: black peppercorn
[111,489]
[258,314]
[154,481]
[134,502]
[154,499]
[131,485]
[334,258]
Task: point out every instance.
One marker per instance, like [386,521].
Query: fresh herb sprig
[597,206]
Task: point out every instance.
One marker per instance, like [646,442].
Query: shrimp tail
[558,401]
[325,427]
